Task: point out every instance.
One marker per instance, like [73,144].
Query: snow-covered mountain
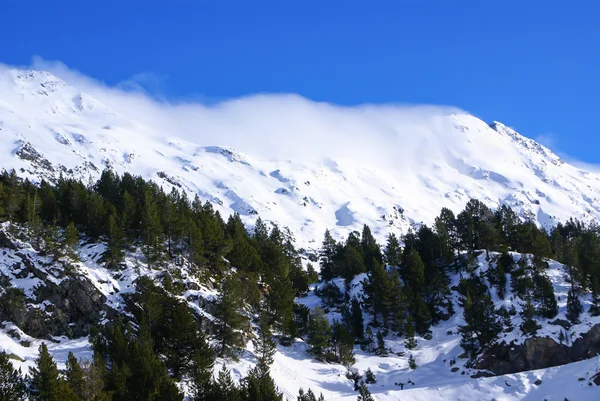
[48,128]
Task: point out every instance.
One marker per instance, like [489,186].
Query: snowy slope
[435,378]
[48,127]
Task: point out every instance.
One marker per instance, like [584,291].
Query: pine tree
[151,228]
[380,350]
[393,251]
[115,246]
[410,342]
[529,325]
[343,344]
[367,344]
[482,325]
[370,377]
[357,323]
[412,363]
[75,376]
[379,290]
[369,248]
[544,294]
[69,243]
[225,388]
[574,307]
[231,319]
[364,393]
[264,345]
[308,396]
[201,373]
[12,384]
[260,386]
[319,331]
[44,377]
[327,257]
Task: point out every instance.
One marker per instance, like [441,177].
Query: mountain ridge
[50,128]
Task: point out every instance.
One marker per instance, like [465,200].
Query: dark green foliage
[342,343]
[75,376]
[224,388]
[133,370]
[543,295]
[410,342]
[393,251]
[319,331]
[309,396]
[231,317]
[175,331]
[381,349]
[574,307]
[12,384]
[482,325]
[260,386]
[412,363]
[356,319]
[264,345]
[44,377]
[370,377]
[364,393]
[327,257]
[529,325]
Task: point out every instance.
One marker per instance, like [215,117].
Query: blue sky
[531,64]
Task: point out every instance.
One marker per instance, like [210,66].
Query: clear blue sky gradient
[531,64]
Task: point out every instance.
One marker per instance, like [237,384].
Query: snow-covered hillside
[440,374]
[48,128]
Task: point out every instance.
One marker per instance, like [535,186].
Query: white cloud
[285,125]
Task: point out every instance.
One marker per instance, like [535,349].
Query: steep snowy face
[402,167]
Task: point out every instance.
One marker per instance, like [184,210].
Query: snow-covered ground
[402,167]
[440,373]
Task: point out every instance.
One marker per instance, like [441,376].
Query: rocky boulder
[538,353]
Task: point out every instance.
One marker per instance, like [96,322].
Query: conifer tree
[75,376]
[368,340]
[151,228]
[529,325]
[393,251]
[410,342]
[574,307]
[319,331]
[369,248]
[12,384]
[380,350]
[357,323]
[309,396]
[327,257]
[224,388]
[544,294]
[364,393]
[481,323]
[231,320]
[343,344]
[264,345]
[370,377]
[44,377]
[379,291]
[259,386]
[412,362]
[115,246]
[70,240]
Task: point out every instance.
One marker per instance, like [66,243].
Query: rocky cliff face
[46,298]
[539,353]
